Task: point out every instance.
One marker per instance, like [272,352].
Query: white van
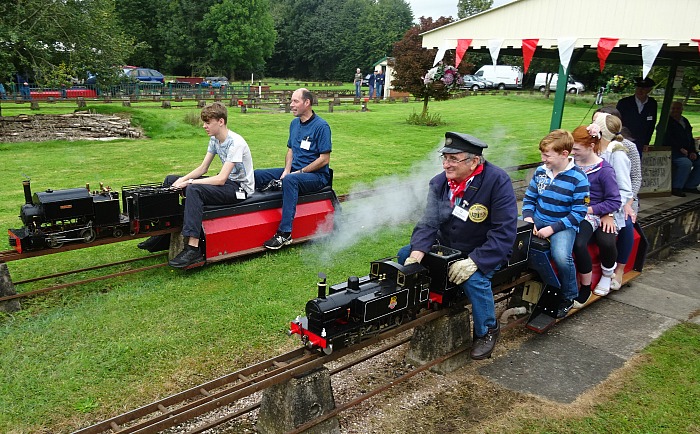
[572,86]
[502,76]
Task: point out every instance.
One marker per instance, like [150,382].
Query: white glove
[410,260]
[461,270]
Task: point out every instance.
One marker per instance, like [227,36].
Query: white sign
[656,170]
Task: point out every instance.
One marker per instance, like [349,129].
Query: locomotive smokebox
[27,191]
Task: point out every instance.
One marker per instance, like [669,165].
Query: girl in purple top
[599,222]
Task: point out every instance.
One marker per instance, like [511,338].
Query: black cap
[646,82]
[459,142]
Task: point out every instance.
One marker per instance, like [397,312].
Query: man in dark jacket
[639,113]
[684,156]
[471,207]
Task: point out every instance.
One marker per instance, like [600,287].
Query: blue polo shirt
[308,140]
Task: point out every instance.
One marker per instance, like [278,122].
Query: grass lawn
[90,352]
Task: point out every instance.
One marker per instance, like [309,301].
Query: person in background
[380,84]
[234,183]
[625,234]
[638,113]
[472,208]
[555,201]
[372,82]
[685,164]
[358,83]
[599,222]
[25,92]
[3,92]
[306,166]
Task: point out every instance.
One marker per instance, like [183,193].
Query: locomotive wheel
[53,242]
[328,350]
[117,233]
[88,235]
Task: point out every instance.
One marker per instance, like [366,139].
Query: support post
[286,406]
[439,337]
[7,288]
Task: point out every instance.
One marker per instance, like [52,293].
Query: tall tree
[240,35]
[467,8]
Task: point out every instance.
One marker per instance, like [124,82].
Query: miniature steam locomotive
[361,307]
[52,218]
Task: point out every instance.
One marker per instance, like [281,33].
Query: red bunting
[698,41]
[462,45]
[529,47]
[605,46]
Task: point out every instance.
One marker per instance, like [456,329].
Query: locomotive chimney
[353,283]
[27,191]
[321,285]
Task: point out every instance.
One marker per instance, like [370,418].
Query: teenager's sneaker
[278,241]
[564,307]
[156,243]
[274,185]
[187,258]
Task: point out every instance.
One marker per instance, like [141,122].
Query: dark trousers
[292,185]
[198,195]
[606,244]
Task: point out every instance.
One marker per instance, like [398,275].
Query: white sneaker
[615,285]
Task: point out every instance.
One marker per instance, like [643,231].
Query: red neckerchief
[457,190]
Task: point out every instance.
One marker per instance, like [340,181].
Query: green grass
[92,351]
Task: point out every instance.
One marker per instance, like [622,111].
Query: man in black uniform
[472,208]
[639,113]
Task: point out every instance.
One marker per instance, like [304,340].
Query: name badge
[461,211]
[650,118]
[305,144]
[240,195]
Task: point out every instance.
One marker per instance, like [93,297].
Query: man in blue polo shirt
[305,164]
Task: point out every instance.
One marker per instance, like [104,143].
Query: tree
[467,8]
[39,37]
[412,61]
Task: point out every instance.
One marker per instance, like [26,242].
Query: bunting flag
[698,41]
[566,49]
[650,49]
[529,47]
[494,49]
[462,45]
[440,54]
[605,46]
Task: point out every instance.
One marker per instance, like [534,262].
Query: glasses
[452,160]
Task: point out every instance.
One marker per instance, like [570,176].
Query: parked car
[144,75]
[572,86]
[471,82]
[216,81]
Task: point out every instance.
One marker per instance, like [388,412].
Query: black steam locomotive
[52,218]
[392,293]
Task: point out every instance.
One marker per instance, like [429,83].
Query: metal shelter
[635,23]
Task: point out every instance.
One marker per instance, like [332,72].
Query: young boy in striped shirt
[556,202]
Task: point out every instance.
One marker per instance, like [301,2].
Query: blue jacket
[487,241]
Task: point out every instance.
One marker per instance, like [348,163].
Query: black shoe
[564,307]
[278,241]
[677,192]
[156,243]
[692,190]
[274,185]
[187,258]
[584,293]
[483,347]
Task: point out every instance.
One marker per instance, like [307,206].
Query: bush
[192,118]
[427,119]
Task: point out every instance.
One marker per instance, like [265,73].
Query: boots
[483,347]
[603,287]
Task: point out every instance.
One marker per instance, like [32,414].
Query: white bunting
[650,49]
[440,53]
[495,48]
[566,49]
